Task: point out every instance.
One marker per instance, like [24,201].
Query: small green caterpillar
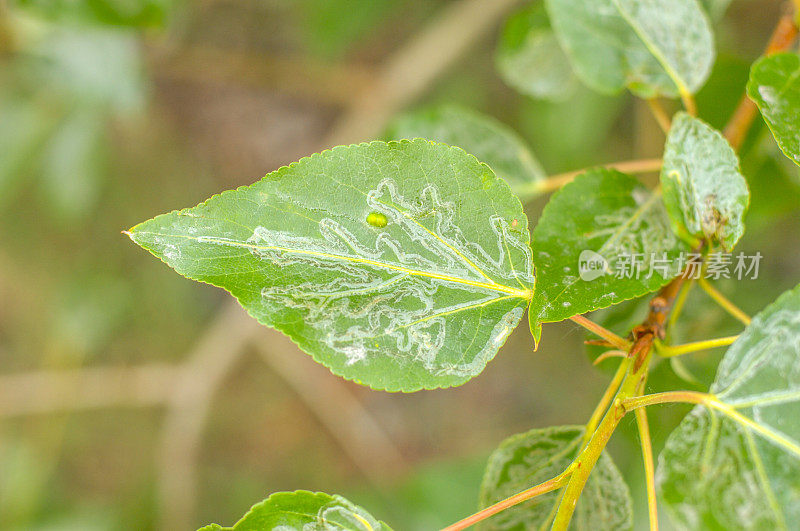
[376,219]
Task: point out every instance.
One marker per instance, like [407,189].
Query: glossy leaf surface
[652,47]
[704,190]
[739,467]
[602,239]
[531,458]
[401,265]
[303,510]
[775,87]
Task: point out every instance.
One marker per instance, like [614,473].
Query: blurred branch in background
[188,390]
[403,77]
[48,392]
[328,83]
[340,411]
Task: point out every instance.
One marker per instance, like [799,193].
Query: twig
[45,392]
[660,115]
[639,358]
[606,334]
[605,401]
[609,354]
[782,37]
[669,351]
[723,301]
[554,182]
[649,468]
[178,449]
[337,84]
[327,396]
[543,488]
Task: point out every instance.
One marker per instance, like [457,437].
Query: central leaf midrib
[501,288]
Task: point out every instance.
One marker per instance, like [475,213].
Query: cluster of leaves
[405,264]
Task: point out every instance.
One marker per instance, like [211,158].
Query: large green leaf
[401,265]
[602,217]
[305,510]
[530,59]
[531,458]
[704,191]
[653,47]
[489,140]
[775,87]
[737,466]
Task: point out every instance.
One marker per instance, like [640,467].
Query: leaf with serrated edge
[305,510]
[531,458]
[489,140]
[401,265]
[653,47]
[607,213]
[719,471]
[529,57]
[704,191]
[775,87]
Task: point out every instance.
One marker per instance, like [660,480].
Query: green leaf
[489,140]
[652,47]
[775,87]
[739,466]
[145,13]
[704,191]
[400,265]
[530,59]
[305,510]
[531,458]
[602,217]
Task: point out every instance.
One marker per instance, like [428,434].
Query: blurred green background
[131,398]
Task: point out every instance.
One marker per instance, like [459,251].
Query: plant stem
[680,300]
[606,334]
[640,354]
[661,116]
[691,397]
[609,354]
[688,102]
[554,182]
[605,401]
[649,467]
[668,351]
[742,118]
[711,401]
[542,488]
[723,301]
[586,460]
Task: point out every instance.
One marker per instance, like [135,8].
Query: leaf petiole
[649,468]
[537,490]
[668,351]
[606,334]
[723,301]
[554,182]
